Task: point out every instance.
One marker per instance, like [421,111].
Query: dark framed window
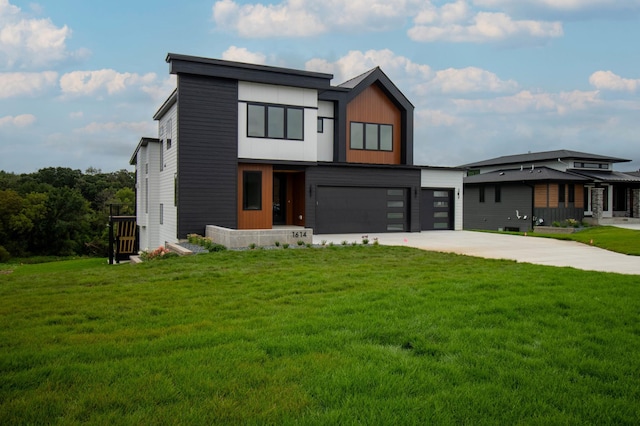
[572,193]
[169,133]
[371,137]
[561,192]
[252,190]
[481,194]
[275,122]
[161,213]
[498,193]
[320,125]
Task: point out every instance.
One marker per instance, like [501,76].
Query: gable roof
[536,174]
[533,157]
[143,142]
[359,83]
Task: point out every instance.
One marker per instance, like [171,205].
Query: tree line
[59,211]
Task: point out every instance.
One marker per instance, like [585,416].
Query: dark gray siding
[372,177]
[207,153]
[493,216]
[559,214]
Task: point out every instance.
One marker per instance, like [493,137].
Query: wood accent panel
[579,196]
[256,219]
[541,195]
[553,195]
[373,106]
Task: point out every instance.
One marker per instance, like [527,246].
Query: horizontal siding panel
[207,126]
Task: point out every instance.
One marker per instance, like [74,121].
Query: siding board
[207,165]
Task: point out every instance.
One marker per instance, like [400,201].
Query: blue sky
[80,80]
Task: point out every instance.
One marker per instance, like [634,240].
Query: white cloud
[454,26]
[562,5]
[607,80]
[355,63]
[30,43]
[76,115]
[434,118]
[525,102]
[467,80]
[137,128]
[26,84]
[91,82]
[241,54]
[22,120]
[305,18]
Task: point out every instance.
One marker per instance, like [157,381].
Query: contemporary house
[252,147]
[518,192]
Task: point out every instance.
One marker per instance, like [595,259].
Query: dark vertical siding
[207,153]
[491,215]
[365,177]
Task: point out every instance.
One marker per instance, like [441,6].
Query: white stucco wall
[278,149]
[446,179]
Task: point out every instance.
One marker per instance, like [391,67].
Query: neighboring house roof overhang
[171,100]
[608,176]
[533,157]
[525,175]
[185,64]
[143,142]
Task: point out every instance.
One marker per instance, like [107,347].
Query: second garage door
[342,210]
[436,209]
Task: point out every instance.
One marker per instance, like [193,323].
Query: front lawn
[341,335]
[626,241]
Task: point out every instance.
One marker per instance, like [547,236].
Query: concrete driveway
[541,251]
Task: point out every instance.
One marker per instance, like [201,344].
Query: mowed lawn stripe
[373,335]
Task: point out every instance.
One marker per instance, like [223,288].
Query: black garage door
[436,209]
[360,210]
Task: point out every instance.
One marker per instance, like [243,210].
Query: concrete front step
[176,248]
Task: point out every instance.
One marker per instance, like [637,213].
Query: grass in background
[621,240]
[372,335]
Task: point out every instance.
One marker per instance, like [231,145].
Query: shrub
[285,245]
[4,255]
[300,242]
[277,243]
[159,253]
[252,246]
[323,242]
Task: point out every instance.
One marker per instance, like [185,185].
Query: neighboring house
[517,192]
[245,146]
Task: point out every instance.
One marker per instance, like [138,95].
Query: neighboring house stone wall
[597,200]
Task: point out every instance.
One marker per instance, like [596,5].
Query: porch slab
[240,238]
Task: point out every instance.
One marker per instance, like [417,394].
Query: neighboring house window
[561,193]
[275,122]
[252,190]
[169,133]
[498,194]
[161,154]
[481,194]
[371,137]
[580,165]
[320,125]
[175,189]
[572,193]
[161,213]
[473,172]
[146,195]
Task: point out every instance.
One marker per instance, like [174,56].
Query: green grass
[342,335]
[621,240]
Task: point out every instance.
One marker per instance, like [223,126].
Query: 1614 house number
[298,234]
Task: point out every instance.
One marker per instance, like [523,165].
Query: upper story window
[372,137]
[581,165]
[275,122]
